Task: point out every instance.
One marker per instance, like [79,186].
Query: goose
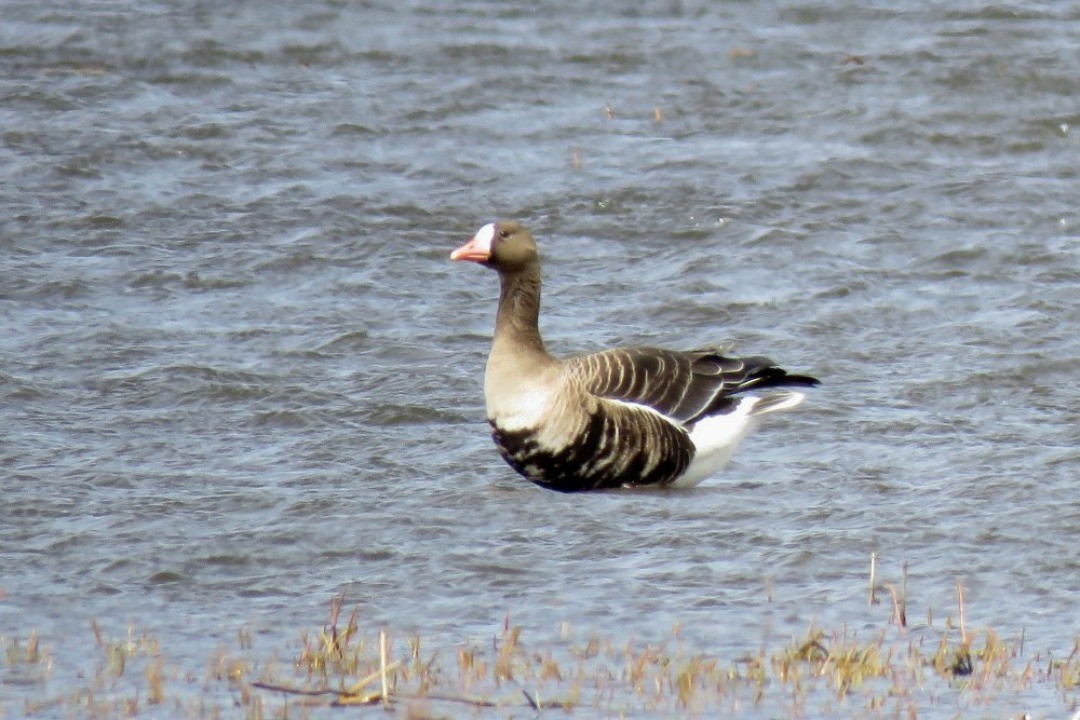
[626,417]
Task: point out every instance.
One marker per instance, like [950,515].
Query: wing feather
[683,386]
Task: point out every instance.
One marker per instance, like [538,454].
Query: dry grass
[894,672]
[887,675]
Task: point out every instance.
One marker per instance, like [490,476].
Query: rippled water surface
[239,375]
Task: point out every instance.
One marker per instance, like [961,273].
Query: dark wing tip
[801,380]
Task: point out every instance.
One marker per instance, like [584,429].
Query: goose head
[504,246]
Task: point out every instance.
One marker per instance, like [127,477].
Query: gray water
[239,375]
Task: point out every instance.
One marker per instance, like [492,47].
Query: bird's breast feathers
[519,406]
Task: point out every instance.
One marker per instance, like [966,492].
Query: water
[239,375]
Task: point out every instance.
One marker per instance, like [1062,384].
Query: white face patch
[484,237]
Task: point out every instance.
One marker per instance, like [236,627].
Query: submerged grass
[894,672]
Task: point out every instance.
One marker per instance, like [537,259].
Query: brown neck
[517,321]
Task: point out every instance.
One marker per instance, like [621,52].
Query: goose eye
[504,234]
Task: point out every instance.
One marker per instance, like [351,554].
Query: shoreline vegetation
[945,669]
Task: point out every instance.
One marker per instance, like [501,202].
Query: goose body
[622,417]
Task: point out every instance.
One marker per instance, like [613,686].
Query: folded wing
[683,386]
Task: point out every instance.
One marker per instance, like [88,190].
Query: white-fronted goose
[624,417]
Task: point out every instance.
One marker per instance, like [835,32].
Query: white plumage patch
[716,437]
[527,411]
[484,236]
